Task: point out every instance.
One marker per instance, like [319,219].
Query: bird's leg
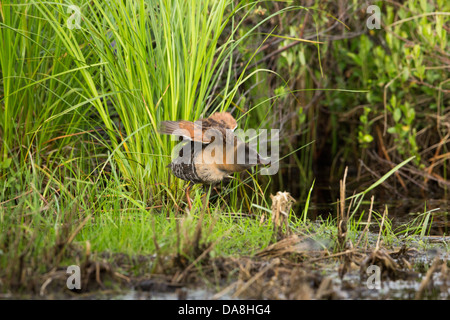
[205,202]
[206,199]
[188,198]
[205,191]
[219,195]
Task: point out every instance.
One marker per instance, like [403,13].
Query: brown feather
[224,119]
[192,130]
[217,132]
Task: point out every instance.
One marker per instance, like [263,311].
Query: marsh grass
[82,167]
[81,106]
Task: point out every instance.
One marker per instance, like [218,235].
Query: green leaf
[397,114]
[392,130]
[367,138]
[5,163]
[394,102]
[301,56]
[439,23]
[423,5]
[355,58]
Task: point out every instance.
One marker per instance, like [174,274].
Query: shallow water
[396,289]
[184,294]
[401,213]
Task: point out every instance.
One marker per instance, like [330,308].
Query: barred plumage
[198,166]
[185,170]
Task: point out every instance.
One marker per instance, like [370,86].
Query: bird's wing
[220,120]
[195,131]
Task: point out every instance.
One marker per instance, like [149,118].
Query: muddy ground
[295,267]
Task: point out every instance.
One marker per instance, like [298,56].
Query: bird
[211,152]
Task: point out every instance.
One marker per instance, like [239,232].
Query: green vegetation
[83,168]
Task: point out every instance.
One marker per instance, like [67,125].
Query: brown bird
[214,151]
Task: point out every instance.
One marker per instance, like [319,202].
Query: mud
[296,267]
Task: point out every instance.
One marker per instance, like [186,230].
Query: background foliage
[80,156]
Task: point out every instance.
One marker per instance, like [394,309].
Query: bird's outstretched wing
[194,131]
[203,130]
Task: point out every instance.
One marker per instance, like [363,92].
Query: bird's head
[247,156]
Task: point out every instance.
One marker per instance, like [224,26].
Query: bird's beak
[263,161]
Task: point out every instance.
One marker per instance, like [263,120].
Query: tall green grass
[126,67]
[79,113]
